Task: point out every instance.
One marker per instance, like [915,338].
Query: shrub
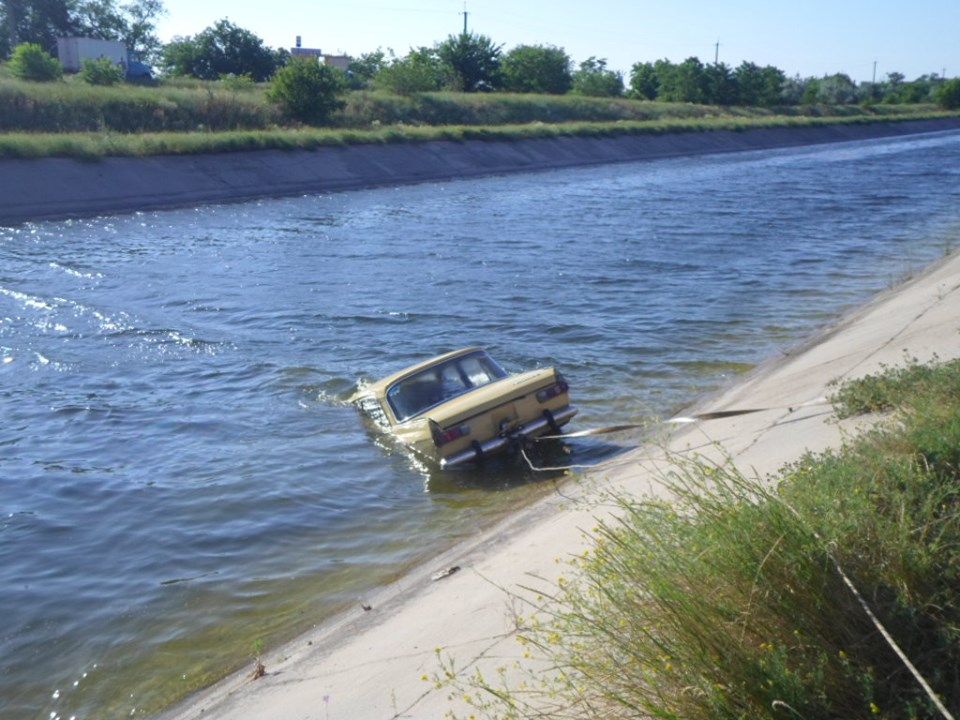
[473,61]
[307,91]
[101,72]
[537,69]
[888,388]
[594,79]
[237,83]
[419,71]
[30,62]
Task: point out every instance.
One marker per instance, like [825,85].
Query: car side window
[412,396]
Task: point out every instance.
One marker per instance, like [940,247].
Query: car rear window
[413,395]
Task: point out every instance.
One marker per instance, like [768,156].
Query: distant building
[300,51]
[341,62]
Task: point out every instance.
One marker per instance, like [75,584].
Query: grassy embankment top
[71,119]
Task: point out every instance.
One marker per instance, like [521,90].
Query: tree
[685,82]
[100,19]
[537,69]
[362,70]
[948,94]
[719,85]
[774,81]
[308,91]
[221,49]
[101,71]
[923,89]
[140,34]
[419,71]
[180,56]
[43,21]
[474,61]
[794,90]
[39,22]
[644,83]
[837,89]
[593,78]
[29,61]
[759,85]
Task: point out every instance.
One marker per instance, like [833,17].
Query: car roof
[380,387]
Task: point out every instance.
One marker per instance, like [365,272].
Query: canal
[181,477]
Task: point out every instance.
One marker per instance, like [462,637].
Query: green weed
[892,386]
[726,602]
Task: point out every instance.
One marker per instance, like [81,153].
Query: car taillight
[442,437]
[548,393]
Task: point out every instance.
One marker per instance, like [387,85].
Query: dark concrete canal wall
[52,188]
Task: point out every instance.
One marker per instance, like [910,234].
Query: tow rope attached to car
[680,420]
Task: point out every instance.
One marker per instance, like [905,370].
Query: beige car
[463,406]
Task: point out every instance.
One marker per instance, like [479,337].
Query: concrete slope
[368,665]
[51,188]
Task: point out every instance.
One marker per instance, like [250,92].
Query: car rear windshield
[413,395]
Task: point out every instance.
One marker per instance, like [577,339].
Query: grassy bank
[448,108]
[179,105]
[92,145]
[74,106]
[730,603]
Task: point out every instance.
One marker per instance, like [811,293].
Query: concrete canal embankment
[372,665]
[52,188]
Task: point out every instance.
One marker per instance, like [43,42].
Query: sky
[816,37]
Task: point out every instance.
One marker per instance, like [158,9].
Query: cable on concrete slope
[682,420]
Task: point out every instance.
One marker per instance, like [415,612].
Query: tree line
[466,62]
[472,63]
[41,22]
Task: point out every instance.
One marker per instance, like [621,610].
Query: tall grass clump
[728,602]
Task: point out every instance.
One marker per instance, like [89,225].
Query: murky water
[179,473]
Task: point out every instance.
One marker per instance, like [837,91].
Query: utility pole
[716,52]
[874,73]
[465,14]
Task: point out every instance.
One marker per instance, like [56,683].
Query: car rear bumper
[496,444]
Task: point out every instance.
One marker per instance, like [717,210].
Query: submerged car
[462,406]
